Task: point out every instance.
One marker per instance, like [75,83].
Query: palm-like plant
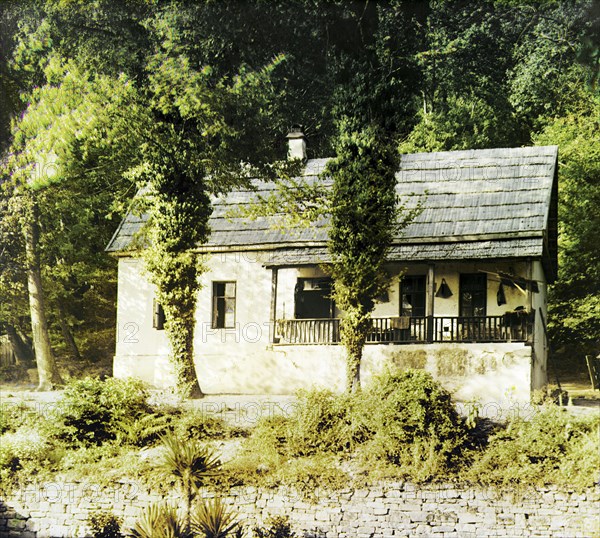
[213,519]
[189,463]
[160,521]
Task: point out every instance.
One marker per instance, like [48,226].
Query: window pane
[223,316]
[413,296]
[230,289]
[312,298]
[219,289]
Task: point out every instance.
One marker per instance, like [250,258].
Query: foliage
[13,416]
[574,312]
[160,521]
[548,50]
[143,431]
[364,219]
[213,519]
[276,527]
[92,411]
[210,519]
[554,447]
[27,451]
[199,425]
[189,464]
[405,419]
[104,524]
[409,420]
[467,123]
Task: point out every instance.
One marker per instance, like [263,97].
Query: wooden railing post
[430,301]
[274,304]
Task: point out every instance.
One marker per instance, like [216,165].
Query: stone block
[322,515]
[414,507]
[418,516]
[440,529]
[382,511]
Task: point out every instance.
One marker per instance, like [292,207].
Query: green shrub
[145,430]
[403,418]
[196,424]
[277,527]
[104,524]
[553,447]
[408,417]
[91,411]
[13,416]
[322,422]
[307,475]
[25,446]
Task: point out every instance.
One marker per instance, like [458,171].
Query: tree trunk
[67,333]
[23,353]
[46,364]
[180,331]
[354,331]
[175,275]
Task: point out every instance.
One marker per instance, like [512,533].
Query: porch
[509,327]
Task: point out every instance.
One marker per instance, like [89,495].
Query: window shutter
[158,318]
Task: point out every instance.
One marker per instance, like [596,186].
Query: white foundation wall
[491,373]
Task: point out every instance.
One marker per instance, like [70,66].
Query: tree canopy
[102,98]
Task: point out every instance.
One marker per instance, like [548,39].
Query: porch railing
[511,327]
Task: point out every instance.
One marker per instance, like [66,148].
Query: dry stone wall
[389,510]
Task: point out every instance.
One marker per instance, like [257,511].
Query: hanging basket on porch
[444,290]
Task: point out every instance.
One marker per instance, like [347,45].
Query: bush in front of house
[553,447]
[404,419]
[409,420]
[93,411]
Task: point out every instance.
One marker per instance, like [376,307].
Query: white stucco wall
[141,351]
[242,359]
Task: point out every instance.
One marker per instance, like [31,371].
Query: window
[223,315]
[473,294]
[158,316]
[412,296]
[312,299]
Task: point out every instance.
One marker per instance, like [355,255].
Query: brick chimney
[296,143]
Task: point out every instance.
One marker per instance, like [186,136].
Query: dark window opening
[473,295]
[223,314]
[313,300]
[412,296]
[158,316]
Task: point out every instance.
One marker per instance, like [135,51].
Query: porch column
[430,300]
[273,315]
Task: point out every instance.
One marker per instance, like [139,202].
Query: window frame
[215,304]
[300,290]
[422,292]
[463,288]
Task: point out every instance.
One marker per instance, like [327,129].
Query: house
[467,300]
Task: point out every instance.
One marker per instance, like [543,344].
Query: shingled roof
[477,204]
